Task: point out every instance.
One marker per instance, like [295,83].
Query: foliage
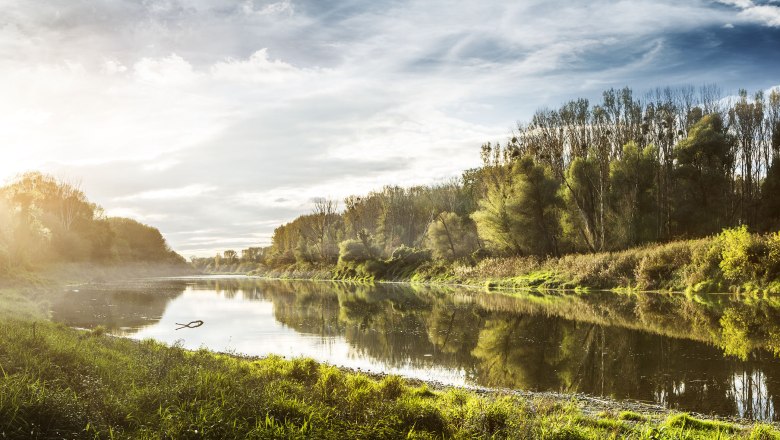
[633,197]
[704,161]
[451,237]
[355,251]
[45,221]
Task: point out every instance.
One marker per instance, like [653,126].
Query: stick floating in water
[191,324]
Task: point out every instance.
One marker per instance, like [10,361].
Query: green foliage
[520,213]
[633,217]
[632,416]
[704,160]
[686,421]
[495,221]
[451,237]
[741,254]
[355,251]
[749,258]
[537,208]
[583,195]
[764,432]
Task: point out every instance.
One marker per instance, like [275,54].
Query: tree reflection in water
[709,353]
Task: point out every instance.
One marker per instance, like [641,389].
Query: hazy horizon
[217,121]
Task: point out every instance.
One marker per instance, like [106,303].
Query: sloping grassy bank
[734,260]
[59,382]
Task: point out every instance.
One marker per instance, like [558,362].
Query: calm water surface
[709,354]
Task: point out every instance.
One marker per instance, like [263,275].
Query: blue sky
[217,120]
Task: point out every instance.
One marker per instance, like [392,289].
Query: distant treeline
[677,163]
[45,221]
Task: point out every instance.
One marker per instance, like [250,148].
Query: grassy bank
[733,261]
[59,382]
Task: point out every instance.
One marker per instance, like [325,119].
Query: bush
[410,256]
[355,251]
[773,256]
[657,269]
[742,254]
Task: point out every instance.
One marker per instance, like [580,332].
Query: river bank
[733,261]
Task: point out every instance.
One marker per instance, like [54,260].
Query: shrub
[410,256]
[657,269]
[741,254]
[773,256]
[355,251]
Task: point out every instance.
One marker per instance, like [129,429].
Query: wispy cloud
[184,192]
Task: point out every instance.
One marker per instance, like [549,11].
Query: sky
[218,120]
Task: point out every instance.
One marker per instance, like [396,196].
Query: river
[712,354]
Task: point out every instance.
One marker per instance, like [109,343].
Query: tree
[495,221]
[325,224]
[134,241]
[747,119]
[451,237]
[582,194]
[521,214]
[230,255]
[537,207]
[701,199]
[633,198]
[770,198]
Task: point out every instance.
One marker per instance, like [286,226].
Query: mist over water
[658,348]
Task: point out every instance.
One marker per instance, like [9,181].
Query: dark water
[710,354]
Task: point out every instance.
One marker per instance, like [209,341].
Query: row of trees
[44,220]
[693,160]
[677,163]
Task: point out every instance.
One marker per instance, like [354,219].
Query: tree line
[44,220]
[587,177]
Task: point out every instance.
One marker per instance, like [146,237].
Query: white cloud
[282,7]
[172,70]
[189,191]
[765,14]
[257,68]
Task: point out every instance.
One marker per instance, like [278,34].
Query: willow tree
[521,214]
[584,200]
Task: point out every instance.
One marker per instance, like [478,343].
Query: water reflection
[710,354]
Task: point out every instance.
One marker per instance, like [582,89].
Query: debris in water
[191,324]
